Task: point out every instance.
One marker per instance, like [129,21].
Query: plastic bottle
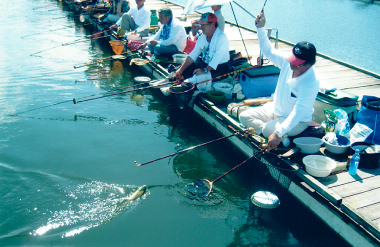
[352,170]
[342,127]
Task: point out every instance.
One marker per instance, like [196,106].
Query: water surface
[66,170]
[347,30]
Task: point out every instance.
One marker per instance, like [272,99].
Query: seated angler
[169,39]
[117,9]
[137,20]
[210,56]
[291,111]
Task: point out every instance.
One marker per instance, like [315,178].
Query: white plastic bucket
[225,88]
[179,58]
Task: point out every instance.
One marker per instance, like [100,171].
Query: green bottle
[153,18]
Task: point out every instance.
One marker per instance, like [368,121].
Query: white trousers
[265,121]
[204,82]
[111,18]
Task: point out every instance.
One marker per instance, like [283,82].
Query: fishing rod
[241,35]
[75,101]
[249,131]
[100,60]
[171,81]
[70,100]
[203,187]
[68,43]
[228,74]
[50,30]
[69,69]
[248,11]
[57,18]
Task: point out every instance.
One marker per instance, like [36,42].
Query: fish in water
[139,192]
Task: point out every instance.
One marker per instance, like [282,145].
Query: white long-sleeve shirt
[140,16]
[214,52]
[221,20]
[177,35]
[305,87]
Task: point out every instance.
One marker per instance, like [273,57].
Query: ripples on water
[70,205]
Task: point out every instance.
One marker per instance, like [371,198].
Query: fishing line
[228,74]
[97,61]
[57,18]
[68,43]
[75,101]
[50,30]
[71,100]
[193,147]
[100,60]
[241,35]
[247,10]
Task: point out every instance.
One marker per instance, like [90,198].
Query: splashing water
[88,205]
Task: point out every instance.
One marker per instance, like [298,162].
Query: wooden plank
[345,177]
[346,84]
[347,231]
[333,197]
[349,76]
[361,186]
[375,91]
[372,212]
[363,219]
[363,199]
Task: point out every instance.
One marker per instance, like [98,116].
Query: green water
[65,169]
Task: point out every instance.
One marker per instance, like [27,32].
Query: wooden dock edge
[348,229]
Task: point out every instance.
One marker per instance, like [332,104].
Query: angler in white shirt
[170,38]
[291,111]
[136,20]
[209,58]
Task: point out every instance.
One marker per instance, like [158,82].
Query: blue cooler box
[260,81]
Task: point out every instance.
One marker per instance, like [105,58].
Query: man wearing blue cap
[291,111]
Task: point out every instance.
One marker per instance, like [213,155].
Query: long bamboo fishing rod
[68,43]
[83,97]
[75,67]
[241,35]
[164,84]
[210,183]
[228,74]
[127,91]
[50,30]
[248,11]
[100,60]
[193,147]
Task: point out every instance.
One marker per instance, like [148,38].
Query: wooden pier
[349,205]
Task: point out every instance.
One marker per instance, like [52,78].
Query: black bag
[369,156]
